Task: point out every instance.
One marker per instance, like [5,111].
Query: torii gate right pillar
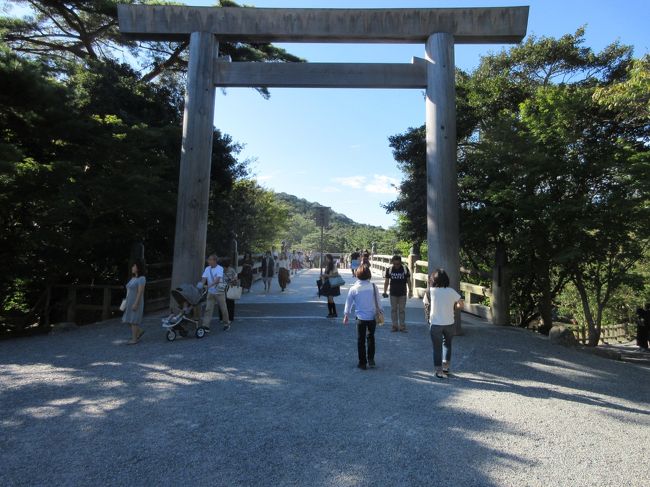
[442,187]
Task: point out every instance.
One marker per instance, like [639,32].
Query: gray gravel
[279,402]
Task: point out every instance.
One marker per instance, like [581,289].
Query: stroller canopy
[187,292]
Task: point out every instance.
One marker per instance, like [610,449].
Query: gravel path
[278,401]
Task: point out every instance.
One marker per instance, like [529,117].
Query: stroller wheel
[200,332]
[171,335]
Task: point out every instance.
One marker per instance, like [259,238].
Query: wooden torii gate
[437,29]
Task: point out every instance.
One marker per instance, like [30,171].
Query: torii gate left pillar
[196,161]
[438,29]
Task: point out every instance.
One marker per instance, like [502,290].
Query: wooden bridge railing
[475,296]
[86,303]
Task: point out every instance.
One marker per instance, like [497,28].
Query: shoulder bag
[336,281]
[233,292]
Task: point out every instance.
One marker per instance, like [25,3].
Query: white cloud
[351,181]
[264,177]
[382,184]
[330,189]
[378,184]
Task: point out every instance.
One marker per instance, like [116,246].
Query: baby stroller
[189,299]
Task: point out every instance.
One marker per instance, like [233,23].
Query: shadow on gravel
[272,403]
[267,404]
[532,367]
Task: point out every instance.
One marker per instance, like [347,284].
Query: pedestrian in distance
[443,303]
[355,260]
[268,270]
[214,280]
[283,271]
[134,310]
[246,274]
[364,297]
[230,279]
[398,278]
[275,254]
[643,328]
[327,289]
[295,262]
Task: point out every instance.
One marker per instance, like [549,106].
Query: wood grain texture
[442,178]
[196,157]
[400,25]
[321,75]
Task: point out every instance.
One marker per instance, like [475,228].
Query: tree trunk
[546,301]
[593,326]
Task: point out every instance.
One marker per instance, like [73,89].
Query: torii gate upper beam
[486,25]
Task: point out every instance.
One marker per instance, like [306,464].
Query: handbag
[123,305]
[233,292]
[379,313]
[336,281]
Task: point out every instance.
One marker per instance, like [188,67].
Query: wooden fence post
[106,304]
[72,303]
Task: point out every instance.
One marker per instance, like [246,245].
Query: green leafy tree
[60,32]
[541,158]
[249,213]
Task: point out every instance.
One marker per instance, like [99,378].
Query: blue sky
[331,145]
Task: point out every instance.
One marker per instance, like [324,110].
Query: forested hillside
[342,235]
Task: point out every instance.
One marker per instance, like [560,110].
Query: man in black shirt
[399,278]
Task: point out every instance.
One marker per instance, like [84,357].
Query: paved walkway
[278,401]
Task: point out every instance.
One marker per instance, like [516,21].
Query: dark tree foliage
[553,167]
[87,168]
[62,31]
[90,147]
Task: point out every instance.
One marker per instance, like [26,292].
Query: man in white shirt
[213,279]
[364,296]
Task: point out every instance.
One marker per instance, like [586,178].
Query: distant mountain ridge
[306,209]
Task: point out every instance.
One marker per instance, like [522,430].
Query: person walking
[398,278]
[643,328]
[134,311]
[355,261]
[283,271]
[443,303]
[268,270]
[231,279]
[214,280]
[246,274]
[327,288]
[295,262]
[364,296]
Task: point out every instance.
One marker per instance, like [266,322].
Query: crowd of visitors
[363,298]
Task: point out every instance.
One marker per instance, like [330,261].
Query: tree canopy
[553,165]
[90,133]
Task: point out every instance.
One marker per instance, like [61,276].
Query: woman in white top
[444,301]
[365,298]
[283,273]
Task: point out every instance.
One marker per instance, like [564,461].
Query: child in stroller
[189,299]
